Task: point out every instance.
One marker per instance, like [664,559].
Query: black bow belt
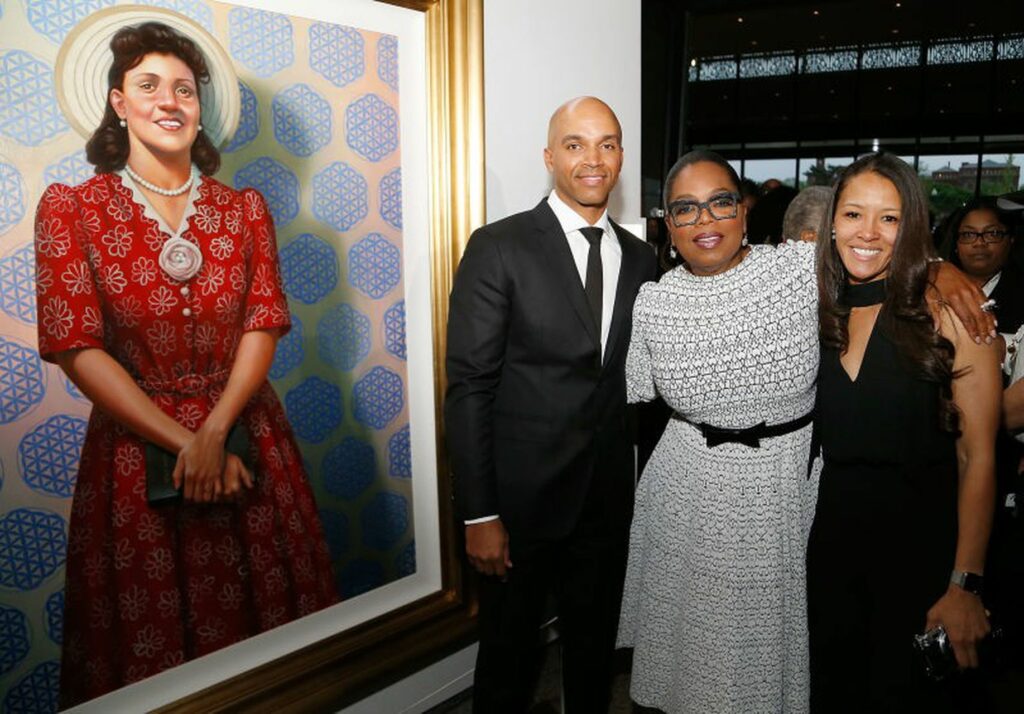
[751,436]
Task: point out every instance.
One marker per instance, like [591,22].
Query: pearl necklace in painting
[156,189]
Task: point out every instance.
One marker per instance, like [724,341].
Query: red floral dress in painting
[148,588]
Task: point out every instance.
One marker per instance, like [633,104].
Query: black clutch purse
[160,463]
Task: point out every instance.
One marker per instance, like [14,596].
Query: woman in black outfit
[908,408]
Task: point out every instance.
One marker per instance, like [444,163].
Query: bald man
[536,417]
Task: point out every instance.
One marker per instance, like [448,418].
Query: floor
[1006,690]
[547,699]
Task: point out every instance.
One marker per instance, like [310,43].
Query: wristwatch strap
[971,582]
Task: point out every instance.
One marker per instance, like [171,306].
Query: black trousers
[584,572]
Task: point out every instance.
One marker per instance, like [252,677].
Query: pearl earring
[200,127]
[672,251]
[123,123]
[833,234]
[744,242]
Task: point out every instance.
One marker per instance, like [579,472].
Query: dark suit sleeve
[478,320]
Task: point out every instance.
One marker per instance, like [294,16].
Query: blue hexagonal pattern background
[387,60]
[290,351]
[36,692]
[15,640]
[12,197]
[391,197]
[49,455]
[260,40]
[339,196]
[302,119]
[314,409]
[343,337]
[18,284]
[276,182]
[374,266]
[73,169]
[371,127]
[55,616]
[378,397]
[405,561]
[28,106]
[194,9]
[360,576]
[335,525]
[21,380]
[33,544]
[54,18]
[309,268]
[336,53]
[400,454]
[248,120]
[394,329]
[71,388]
[384,520]
[349,468]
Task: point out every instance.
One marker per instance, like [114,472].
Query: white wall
[537,55]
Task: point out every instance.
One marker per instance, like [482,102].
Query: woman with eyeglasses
[982,243]
[983,240]
[714,604]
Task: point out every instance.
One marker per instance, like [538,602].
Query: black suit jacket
[532,412]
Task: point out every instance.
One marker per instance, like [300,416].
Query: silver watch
[971,582]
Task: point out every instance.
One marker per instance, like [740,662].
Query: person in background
[907,416]
[805,214]
[769,185]
[749,192]
[764,222]
[160,297]
[538,430]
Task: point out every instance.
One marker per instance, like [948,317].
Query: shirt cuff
[482,519]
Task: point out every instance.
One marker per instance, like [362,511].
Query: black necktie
[594,285]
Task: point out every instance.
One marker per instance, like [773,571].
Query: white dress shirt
[611,256]
[611,261]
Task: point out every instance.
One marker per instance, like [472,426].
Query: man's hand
[965,297]
[487,547]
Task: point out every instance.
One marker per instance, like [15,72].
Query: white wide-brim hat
[85,58]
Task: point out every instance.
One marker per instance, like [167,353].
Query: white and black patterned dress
[714,601]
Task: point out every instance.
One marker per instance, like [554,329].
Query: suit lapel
[623,295]
[562,266]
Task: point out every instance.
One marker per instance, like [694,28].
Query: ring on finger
[989,305]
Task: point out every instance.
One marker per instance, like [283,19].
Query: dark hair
[764,222]
[107,148]
[907,318]
[697,156]
[749,187]
[951,226]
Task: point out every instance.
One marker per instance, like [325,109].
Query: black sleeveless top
[882,444]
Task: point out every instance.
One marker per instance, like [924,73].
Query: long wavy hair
[108,148]
[905,313]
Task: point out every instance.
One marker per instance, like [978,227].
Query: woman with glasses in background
[982,236]
[714,604]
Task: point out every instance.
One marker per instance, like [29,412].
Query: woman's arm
[966,298]
[1013,406]
[205,451]
[977,395]
[111,389]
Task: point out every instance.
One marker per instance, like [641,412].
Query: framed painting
[362,125]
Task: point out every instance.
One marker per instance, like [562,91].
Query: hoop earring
[123,124]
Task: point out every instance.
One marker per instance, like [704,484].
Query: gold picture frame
[344,667]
